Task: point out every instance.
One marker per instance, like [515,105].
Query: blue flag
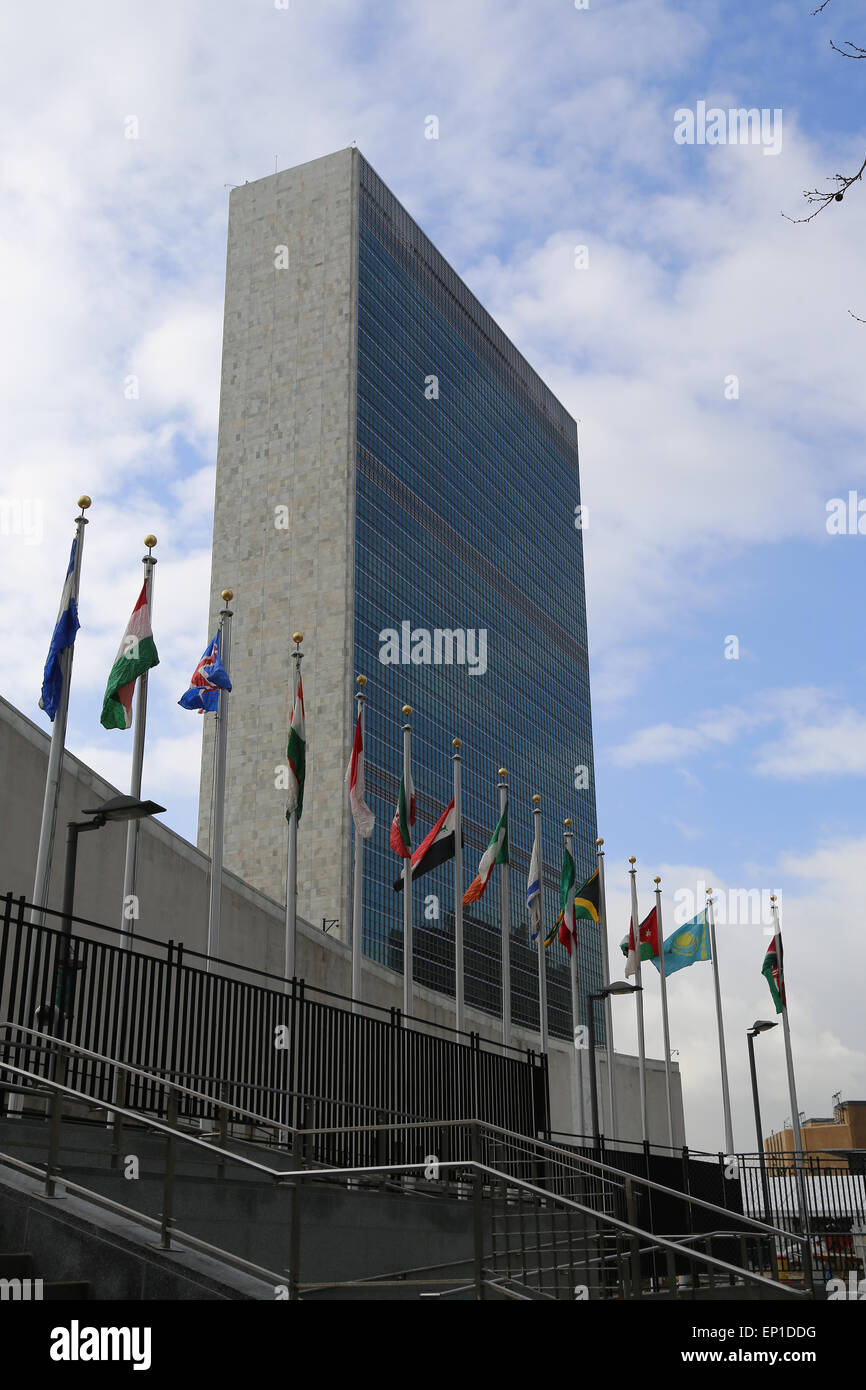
[533,893]
[207,680]
[686,945]
[63,637]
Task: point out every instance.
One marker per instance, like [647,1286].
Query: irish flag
[648,934]
[404,819]
[495,853]
[361,814]
[136,654]
[296,754]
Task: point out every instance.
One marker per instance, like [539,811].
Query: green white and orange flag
[404,819]
[495,853]
[136,654]
[296,753]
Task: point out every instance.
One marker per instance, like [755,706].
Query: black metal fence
[833,1188]
[284,1050]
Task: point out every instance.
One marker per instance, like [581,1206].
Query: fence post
[223,1127]
[634,1244]
[117,1119]
[294,1241]
[477,1213]
[53,1142]
[168,1177]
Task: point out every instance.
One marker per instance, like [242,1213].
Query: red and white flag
[363,817]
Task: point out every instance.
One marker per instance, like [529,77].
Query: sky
[704,341]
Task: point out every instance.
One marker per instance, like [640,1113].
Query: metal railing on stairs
[541,1222]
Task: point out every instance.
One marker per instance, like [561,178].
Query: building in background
[839,1137]
[387,460]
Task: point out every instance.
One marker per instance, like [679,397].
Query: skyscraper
[396,482]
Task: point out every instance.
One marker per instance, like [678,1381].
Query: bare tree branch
[823,197]
[855,50]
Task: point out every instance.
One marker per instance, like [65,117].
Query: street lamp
[118,808]
[616,987]
[760,1026]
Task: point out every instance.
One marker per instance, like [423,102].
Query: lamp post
[118,808]
[760,1026]
[617,987]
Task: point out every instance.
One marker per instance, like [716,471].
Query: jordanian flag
[136,654]
[648,934]
[772,973]
[435,848]
[495,853]
[296,753]
[361,814]
[404,819]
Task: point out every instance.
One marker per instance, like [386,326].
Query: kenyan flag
[136,655]
[772,972]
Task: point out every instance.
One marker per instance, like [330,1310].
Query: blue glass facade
[466,490]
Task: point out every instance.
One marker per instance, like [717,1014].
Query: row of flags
[137,655]
[689,944]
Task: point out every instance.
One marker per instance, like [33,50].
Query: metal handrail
[48,1043]
[281,1178]
[166,1073]
[605,1170]
[183,1237]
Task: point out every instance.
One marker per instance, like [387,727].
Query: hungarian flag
[648,934]
[435,848]
[567,878]
[404,819]
[136,654]
[772,972]
[495,853]
[361,814]
[296,753]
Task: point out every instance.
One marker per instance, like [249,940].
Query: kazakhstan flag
[686,945]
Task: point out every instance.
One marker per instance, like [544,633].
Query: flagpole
[641,1044]
[577,1068]
[219,788]
[129,911]
[665,1025]
[542,959]
[796,1132]
[292,852]
[505,923]
[358,881]
[608,1011]
[51,798]
[723,1061]
[459,995]
[407,867]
